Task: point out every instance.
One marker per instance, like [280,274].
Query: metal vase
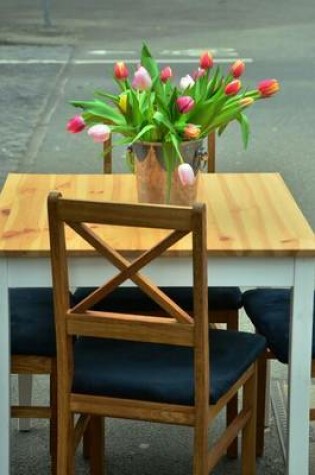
[157,183]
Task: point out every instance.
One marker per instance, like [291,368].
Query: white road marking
[113,61]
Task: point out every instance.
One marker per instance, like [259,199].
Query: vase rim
[184,142]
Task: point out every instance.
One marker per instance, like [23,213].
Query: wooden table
[257,236]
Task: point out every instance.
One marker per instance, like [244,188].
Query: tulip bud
[142,79]
[246,101]
[121,71]
[76,124]
[232,87]
[185,104]
[123,102]
[99,132]
[191,131]
[206,60]
[186,174]
[166,74]
[238,68]
[186,82]
[268,87]
[199,73]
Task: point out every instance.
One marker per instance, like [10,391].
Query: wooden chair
[169,368]
[224,302]
[33,351]
[269,311]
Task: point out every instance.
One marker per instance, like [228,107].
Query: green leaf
[161,119]
[148,62]
[101,110]
[142,132]
[244,123]
[112,97]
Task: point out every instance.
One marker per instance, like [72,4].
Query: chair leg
[231,414]
[201,448]
[96,441]
[65,441]
[261,404]
[53,419]
[232,323]
[25,398]
[249,431]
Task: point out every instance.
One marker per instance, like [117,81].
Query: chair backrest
[107,161]
[174,326]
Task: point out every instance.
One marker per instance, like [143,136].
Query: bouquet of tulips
[151,107]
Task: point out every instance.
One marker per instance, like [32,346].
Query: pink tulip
[206,60]
[121,71]
[191,131]
[199,73]
[99,132]
[233,87]
[186,174]
[268,87]
[76,124]
[142,79]
[166,74]
[185,104]
[237,68]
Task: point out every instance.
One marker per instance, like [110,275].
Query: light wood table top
[247,214]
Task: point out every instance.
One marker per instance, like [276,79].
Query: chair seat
[159,372]
[269,311]
[32,321]
[132,299]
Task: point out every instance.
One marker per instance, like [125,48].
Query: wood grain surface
[247,214]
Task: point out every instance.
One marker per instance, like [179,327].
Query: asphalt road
[277,39]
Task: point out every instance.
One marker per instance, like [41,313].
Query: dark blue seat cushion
[269,311]
[132,299]
[160,373]
[32,321]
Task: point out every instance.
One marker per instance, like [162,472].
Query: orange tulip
[121,71]
[238,68]
[206,60]
[268,87]
[246,101]
[191,131]
[233,87]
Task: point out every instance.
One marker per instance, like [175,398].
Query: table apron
[222,271]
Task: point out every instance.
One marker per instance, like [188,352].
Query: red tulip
[76,124]
[238,68]
[232,87]
[185,104]
[268,87]
[166,74]
[191,131]
[206,60]
[186,174]
[121,71]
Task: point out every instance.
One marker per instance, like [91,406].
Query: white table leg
[4,368]
[300,367]
[25,398]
